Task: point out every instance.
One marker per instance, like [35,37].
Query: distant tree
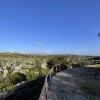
[83,63]
[98,34]
[56,59]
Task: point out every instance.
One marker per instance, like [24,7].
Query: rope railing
[52,72]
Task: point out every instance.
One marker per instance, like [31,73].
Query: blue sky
[50,26]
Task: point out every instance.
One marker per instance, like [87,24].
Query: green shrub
[56,59]
[83,63]
[9,70]
[31,75]
[17,77]
[5,85]
[36,71]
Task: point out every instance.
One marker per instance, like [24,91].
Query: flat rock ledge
[75,84]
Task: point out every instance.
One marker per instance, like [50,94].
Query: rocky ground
[75,84]
[29,90]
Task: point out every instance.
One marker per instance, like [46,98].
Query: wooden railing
[52,72]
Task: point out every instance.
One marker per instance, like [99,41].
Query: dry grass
[95,66]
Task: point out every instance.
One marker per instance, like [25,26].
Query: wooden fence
[52,72]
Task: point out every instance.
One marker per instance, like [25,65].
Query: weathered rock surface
[22,68]
[75,84]
[26,90]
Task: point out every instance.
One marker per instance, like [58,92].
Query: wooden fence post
[50,75]
[46,90]
[52,72]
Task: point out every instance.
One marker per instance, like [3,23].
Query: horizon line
[48,53]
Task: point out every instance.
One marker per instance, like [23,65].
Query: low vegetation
[15,68]
[95,66]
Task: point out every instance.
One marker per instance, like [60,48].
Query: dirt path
[75,84]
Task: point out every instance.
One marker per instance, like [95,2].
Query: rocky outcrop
[3,71]
[22,68]
[75,84]
[27,90]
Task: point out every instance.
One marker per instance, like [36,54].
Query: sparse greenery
[83,64]
[56,59]
[21,67]
[9,70]
[96,66]
[17,78]
[4,86]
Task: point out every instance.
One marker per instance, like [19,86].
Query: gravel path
[75,84]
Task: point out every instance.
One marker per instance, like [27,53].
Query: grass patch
[95,66]
[6,86]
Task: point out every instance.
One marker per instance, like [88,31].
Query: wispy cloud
[42,52]
[69,51]
[40,44]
